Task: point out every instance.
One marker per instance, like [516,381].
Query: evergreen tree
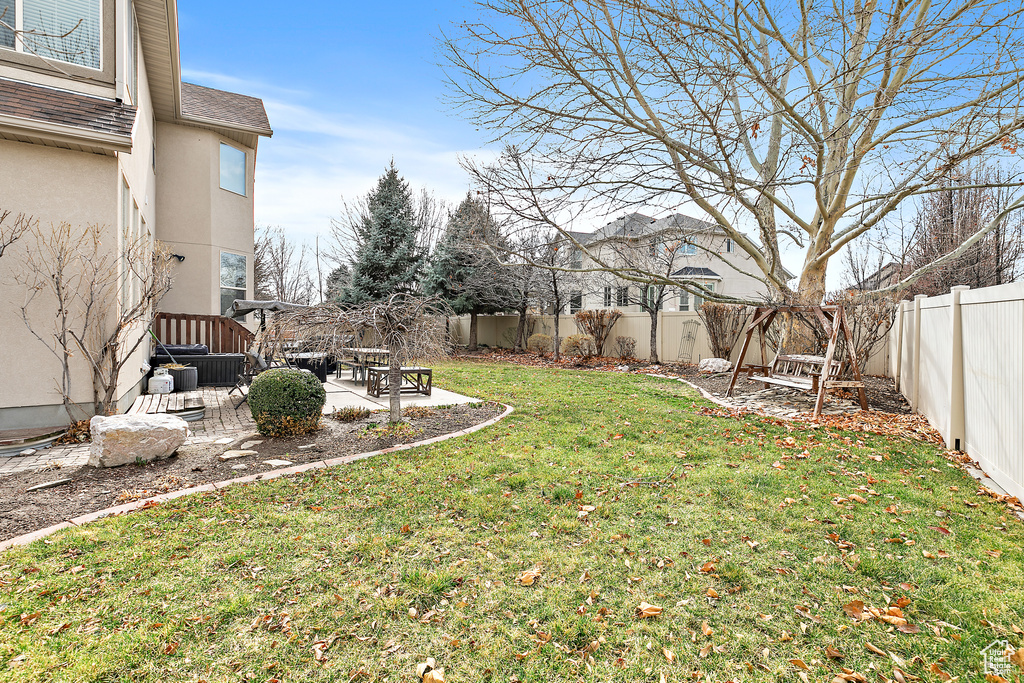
[337,282]
[386,261]
[463,272]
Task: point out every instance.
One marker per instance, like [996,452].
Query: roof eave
[57,132]
[214,123]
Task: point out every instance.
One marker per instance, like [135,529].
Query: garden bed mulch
[92,489]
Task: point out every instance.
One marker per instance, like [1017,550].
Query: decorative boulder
[124,439]
[714,365]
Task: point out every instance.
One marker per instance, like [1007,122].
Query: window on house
[730,246]
[126,235]
[687,249]
[684,300]
[232,169]
[7,10]
[61,30]
[575,258]
[232,280]
[576,302]
[132,55]
[654,297]
[622,296]
[607,297]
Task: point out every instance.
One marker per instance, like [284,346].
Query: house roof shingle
[230,109]
[48,105]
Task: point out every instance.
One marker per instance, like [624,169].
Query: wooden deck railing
[221,334]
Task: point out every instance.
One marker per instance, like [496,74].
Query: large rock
[714,365]
[124,439]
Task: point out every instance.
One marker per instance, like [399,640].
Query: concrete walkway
[343,393]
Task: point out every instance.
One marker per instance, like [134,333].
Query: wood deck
[188,405]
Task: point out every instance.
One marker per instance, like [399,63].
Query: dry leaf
[171,648]
[669,655]
[1018,658]
[705,651]
[799,663]
[647,610]
[833,653]
[855,609]
[528,577]
[875,650]
[707,630]
[937,670]
[712,593]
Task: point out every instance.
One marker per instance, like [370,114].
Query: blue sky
[347,86]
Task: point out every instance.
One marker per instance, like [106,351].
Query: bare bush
[598,324]
[625,347]
[579,346]
[724,323]
[540,344]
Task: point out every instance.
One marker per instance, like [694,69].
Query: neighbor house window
[576,302]
[61,30]
[684,298]
[622,296]
[607,297]
[730,246]
[575,258]
[688,249]
[653,297]
[232,169]
[232,280]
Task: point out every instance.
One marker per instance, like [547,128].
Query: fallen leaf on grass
[799,663]
[871,648]
[647,610]
[528,577]
[428,671]
[855,609]
[707,630]
[712,593]
[833,653]
[171,648]
[937,670]
[669,655]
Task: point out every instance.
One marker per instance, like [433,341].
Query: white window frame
[730,246]
[220,276]
[19,44]
[575,302]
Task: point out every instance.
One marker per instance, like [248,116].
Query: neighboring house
[96,127]
[885,276]
[678,247]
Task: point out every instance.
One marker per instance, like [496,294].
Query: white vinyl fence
[499,331]
[959,360]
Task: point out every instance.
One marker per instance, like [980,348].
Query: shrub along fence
[959,361]
[673,326]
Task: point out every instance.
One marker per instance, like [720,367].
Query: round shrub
[579,346]
[539,344]
[285,402]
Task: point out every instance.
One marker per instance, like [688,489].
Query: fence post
[957,416]
[899,344]
[916,393]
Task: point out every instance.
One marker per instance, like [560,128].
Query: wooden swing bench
[802,372]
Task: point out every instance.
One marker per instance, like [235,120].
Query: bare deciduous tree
[280,268]
[12,228]
[812,122]
[104,298]
[724,324]
[411,328]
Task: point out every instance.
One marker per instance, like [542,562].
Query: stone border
[33,536]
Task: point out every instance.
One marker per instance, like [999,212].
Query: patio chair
[255,364]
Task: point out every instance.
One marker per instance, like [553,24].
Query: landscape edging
[32,536]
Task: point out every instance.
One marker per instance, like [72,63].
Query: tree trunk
[472,330]
[555,341]
[654,336]
[395,383]
[797,336]
[520,329]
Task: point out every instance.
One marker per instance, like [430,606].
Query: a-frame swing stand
[814,374]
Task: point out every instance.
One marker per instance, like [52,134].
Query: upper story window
[730,246]
[61,30]
[687,249]
[232,169]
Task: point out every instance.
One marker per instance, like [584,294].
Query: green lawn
[363,571]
